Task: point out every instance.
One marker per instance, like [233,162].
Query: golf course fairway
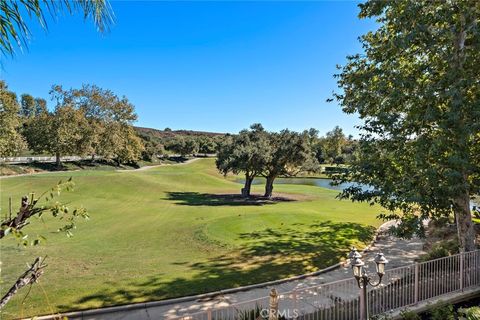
[171,231]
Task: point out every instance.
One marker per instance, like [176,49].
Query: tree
[417,89]
[183,145]
[206,145]
[176,145]
[190,147]
[11,141]
[106,112]
[121,143]
[288,152]
[62,132]
[107,125]
[40,106]
[312,164]
[15,14]
[246,152]
[333,143]
[27,103]
[152,148]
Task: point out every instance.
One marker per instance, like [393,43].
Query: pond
[318,182]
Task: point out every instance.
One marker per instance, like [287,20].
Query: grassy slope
[165,232]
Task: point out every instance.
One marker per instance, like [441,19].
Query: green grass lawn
[173,231]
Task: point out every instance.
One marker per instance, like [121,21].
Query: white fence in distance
[17,160]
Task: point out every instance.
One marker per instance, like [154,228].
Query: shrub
[441,249]
[472,313]
[442,313]
[440,222]
[409,315]
[335,169]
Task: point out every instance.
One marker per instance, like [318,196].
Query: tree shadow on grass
[266,255]
[210,199]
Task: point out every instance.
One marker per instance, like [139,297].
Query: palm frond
[14,29]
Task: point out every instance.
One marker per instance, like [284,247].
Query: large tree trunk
[269,186]
[248,185]
[465,228]
[57,160]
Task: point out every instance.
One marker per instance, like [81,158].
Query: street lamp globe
[380,261]
[353,252]
[357,266]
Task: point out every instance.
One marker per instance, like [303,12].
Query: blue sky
[214,66]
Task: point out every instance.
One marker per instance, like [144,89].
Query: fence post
[461,269]
[209,314]
[273,312]
[416,283]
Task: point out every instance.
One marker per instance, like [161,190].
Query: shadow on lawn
[210,199]
[268,255]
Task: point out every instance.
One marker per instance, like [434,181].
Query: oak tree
[288,151]
[247,153]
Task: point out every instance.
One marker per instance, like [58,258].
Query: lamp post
[363,279]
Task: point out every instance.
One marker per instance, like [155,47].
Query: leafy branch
[31,207]
[34,207]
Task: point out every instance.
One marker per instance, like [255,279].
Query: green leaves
[14,29]
[14,226]
[416,90]
[11,141]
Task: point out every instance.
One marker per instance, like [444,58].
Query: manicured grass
[172,231]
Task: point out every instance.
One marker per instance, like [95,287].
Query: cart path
[399,252]
[160,165]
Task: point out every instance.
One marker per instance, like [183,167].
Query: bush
[409,315]
[440,222]
[441,249]
[335,170]
[442,313]
[472,313]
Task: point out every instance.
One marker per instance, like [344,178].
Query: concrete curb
[210,295]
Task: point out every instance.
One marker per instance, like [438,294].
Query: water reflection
[318,182]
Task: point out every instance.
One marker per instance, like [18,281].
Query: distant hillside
[172,133]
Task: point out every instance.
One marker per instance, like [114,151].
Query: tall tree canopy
[27,106]
[417,88]
[11,141]
[15,17]
[62,132]
[333,144]
[110,119]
